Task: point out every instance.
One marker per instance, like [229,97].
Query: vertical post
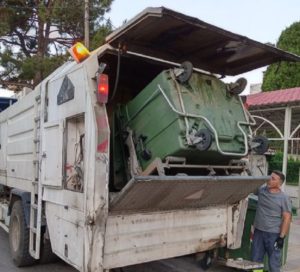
[86,24]
[287,132]
[298,202]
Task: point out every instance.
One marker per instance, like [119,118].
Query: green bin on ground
[244,251]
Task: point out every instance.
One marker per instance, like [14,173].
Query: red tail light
[102,88]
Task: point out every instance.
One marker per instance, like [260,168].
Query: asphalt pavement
[7,265]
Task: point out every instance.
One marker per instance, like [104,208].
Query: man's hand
[279,243]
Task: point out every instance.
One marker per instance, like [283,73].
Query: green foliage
[99,35]
[285,75]
[275,163]
[45,65]
[34,36]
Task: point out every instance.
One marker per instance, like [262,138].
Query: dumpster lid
[159,193]
[172,36]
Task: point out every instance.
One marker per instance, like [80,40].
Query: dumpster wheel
[263,145]
[206,139]
[187,67]
[239,86]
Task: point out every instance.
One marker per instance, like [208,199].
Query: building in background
[255,88]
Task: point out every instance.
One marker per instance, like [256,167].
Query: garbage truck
[136,151]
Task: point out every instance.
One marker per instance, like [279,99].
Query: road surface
[6,264]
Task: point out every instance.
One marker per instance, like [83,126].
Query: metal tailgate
[157,193]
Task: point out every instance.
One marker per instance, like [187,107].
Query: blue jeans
[263,242]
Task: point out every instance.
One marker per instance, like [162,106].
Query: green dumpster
[160,129]
[199,120]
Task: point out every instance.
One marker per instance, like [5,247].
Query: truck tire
[206,261]
[47,256]
[19,236]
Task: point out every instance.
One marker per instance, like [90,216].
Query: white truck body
[88,228]
[79,224]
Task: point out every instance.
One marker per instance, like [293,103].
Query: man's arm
[286,221]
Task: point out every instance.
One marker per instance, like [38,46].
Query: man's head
[276,180]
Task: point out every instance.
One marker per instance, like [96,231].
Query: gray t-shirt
[269,210]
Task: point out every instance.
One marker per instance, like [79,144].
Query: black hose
[117,76]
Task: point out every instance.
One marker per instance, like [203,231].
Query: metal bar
[200,178]
[294,131]
[259,127]
[211,127]
[299,190]
[3,226]
[203,166]
[268,109]
[270,123]
[86,24]
[168,62]
[187,129]
[287,131]
[282,139]
[35,208]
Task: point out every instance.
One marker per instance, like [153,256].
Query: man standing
[272,221]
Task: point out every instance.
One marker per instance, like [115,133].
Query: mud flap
[164,193]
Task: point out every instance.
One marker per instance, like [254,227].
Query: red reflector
[103,88]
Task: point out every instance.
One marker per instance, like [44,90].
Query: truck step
[241,264]
[34,206]
[33,230]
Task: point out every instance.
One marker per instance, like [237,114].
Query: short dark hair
[280,174]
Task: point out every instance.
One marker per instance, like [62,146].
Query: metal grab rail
[211,127]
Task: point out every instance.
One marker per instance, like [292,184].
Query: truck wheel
[19,236]
[47,255]
[206,262]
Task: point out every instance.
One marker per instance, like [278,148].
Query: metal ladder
[36,191]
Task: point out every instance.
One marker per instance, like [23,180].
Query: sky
[261,20]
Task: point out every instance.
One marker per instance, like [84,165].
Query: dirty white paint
[17,142]
[66,227]
[96,177]
[51,159]
[138,238]
[235,224]
[82,231]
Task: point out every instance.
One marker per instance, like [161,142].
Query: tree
[285,75]
[34,36]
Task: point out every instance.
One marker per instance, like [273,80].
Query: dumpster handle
[211,126]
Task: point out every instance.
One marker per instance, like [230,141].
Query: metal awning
[277,113]
[172,36]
